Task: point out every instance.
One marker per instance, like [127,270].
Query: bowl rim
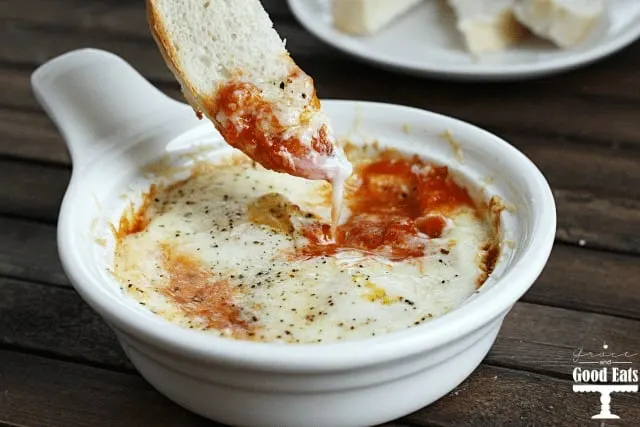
[463,320]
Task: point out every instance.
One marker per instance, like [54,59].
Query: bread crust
[159,34]
[260,126]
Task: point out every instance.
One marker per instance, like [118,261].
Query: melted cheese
[205,261]
[280,125]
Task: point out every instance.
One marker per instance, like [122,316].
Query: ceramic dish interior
[123,175]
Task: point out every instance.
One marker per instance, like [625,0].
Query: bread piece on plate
[234,68]
[366,17]
[564,22]
[487,26]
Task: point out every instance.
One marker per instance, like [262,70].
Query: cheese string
[337,201]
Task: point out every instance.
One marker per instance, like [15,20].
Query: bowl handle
[97,99]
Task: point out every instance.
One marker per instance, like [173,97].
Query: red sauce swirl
[399,203]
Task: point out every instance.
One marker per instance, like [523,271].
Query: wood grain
[574,278]
[602,171]
[55,320]
[66,394]
[543,339]
[29,251]
[39,44]
[604,223]
[595,116]
[601,222]
[117,17]
[127,19]
[589,280]
[32,190]
[15,91]
[567,165]
[608,124]
[495,396]
[32,136]
[36,391]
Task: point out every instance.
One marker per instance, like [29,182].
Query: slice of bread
[365,17]
[564,22]
[487,26]
[234,68]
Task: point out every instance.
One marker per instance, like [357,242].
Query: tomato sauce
[253,128]
[399,203]
[200,295]
[134,220]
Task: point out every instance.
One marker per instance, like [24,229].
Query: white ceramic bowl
[115,122]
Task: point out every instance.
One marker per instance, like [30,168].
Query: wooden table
[60,365]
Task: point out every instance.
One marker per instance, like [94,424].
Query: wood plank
[534,337]
[122,18]
[39,45]
[16,94]
[607,124]
[44,392]
[494,396]
[32,190]
[574,278]
[118,17]
[15,91]
[29,251]
[592,121]
[543,339]
[598,222]
[128,19]
[589,280]
[553,115]
[15,88]
[55,320]
[36,392]
[569,165]
[32,136]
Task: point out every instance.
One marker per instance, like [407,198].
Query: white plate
[425,42]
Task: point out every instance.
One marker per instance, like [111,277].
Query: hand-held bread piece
[564,22]
[234,68]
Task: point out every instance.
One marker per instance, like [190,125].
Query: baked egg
[243,252]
